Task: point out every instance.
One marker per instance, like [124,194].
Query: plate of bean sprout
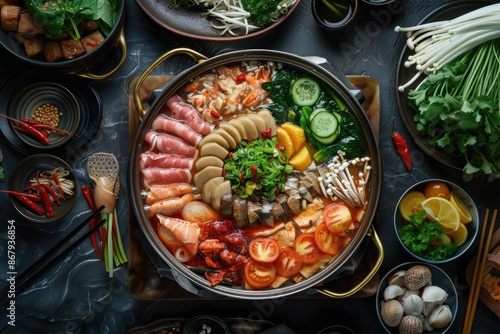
[218,20]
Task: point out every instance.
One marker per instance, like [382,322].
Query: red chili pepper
[266,133]
[249,140]
[47,204]
[224,171]
[214,114]
[401,147]
[87,193]
[240,78]
[52,193]
[58,183]
[230,155]
[26,200]
[37,134]
[253,170]
[242,176]
[280,147]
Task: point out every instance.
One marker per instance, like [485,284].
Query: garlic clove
[440,317]
[393,292]
[417,277]
[410,324]
[413,305]
[432,296]
[392,312]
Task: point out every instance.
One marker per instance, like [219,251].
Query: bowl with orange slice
[436,221]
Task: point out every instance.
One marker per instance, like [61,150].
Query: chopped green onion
[257,169]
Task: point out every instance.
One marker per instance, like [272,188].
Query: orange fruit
[285,140]
[296,133]
[411,204]
[463,212]
[301,160]
[442,211]
[460,235]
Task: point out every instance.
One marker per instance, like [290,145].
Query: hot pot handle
[376,240]
[122,45]
[197,57]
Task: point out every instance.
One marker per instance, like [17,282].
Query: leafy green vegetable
[279,88]
[257,169]
[57,17]
[459,110]
[425,238]
[2,175]
[261,11]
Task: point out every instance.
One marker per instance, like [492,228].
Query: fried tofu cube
[9,16]
[91,41]
[72,48]
[28,27]
[34,46]
[52,51]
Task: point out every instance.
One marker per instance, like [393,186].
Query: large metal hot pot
[236,57]
[83,65]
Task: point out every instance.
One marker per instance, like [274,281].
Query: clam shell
[417,277]
[410,324]
[392,312]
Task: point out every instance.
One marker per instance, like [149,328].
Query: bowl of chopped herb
[436,221]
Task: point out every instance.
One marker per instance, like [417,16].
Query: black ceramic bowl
[26,170]
[26,101]
[334,15]
[439,278]
[471,227]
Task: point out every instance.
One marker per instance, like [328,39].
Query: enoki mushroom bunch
[437,43]
[337,182]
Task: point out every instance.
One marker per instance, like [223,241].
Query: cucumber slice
[327,140]
[305,91]
[324,124]
[315,112]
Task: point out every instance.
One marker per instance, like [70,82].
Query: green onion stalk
[114,252]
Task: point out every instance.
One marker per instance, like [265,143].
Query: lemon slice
[411,204]
[442,211]
[460,235]
[463,212]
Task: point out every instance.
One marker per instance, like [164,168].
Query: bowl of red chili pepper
[44,115]
[42,188]
[436,221]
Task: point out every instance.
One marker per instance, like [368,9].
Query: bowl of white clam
[416,297]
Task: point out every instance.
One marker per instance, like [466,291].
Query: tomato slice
[306,247]
[264,249]
[329,242]
[258,274]
[337,217]
[288,262]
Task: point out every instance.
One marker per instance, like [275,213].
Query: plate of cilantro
[453,112]
[218,20]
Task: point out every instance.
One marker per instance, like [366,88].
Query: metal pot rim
[289,60]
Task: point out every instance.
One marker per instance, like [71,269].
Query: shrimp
[169,206]
[160,192]
[185,232]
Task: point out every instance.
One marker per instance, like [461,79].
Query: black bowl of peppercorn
[44,115]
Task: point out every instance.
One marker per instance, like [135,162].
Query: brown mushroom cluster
[413,304]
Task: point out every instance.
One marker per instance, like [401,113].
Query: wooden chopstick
[477,276]
[30,275]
